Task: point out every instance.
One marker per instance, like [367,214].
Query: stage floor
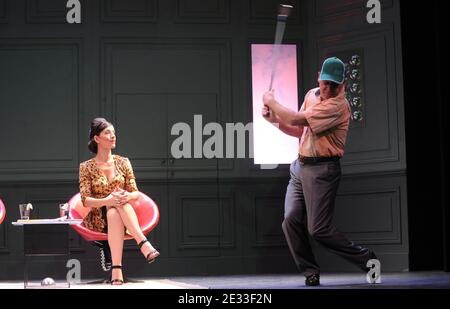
[403,280]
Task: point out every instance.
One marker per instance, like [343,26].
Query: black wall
[427,133]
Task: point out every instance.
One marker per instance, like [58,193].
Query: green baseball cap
[333,69]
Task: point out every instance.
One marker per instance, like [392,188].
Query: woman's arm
[110,200]
[126,196]
[131,191]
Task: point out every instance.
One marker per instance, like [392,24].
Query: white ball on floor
[48,281]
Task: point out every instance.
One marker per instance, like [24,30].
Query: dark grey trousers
[308,209]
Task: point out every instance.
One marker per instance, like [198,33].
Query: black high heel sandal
[152,255]
[120,281]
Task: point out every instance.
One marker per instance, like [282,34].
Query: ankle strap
[142,243]
[116,266]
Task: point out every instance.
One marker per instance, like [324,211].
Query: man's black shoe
[313,280]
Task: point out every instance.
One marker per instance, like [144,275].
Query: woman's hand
[111,200]
[116,198]
[123,196]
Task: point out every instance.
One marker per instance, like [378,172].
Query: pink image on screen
[271,146]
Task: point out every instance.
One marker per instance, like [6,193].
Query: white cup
[25,210]
[64,210]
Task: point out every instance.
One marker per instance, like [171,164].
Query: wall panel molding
[376,140]
[170,79]
[50,71]
[202,221]
[4,11]
[264,12]
[130,11]
[330,11]
[267,218]
[202,11]
[47,11]
[378,213]
[218,231]
[245,224]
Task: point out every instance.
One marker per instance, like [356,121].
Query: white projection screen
[270,145]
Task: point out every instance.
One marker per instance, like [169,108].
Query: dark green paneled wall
[149,64]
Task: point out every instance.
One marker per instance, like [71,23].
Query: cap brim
[327,77]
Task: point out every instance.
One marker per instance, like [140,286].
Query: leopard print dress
[93,183]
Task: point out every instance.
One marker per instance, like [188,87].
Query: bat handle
[271,81]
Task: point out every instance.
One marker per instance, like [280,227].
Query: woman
[107,185]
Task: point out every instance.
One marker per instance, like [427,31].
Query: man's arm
[295,131]
[285,116]
[270,116]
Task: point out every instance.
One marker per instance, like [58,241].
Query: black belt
[313,160]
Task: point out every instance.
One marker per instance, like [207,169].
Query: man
[322,124]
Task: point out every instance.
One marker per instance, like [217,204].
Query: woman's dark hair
[97,126]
